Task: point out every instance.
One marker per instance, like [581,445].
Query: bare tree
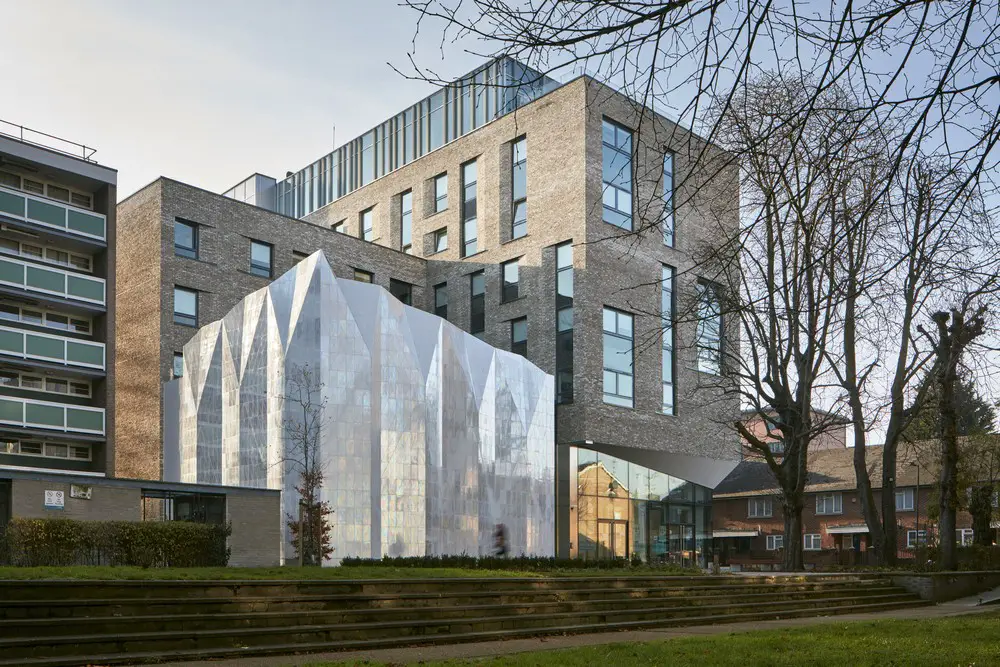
[305,414]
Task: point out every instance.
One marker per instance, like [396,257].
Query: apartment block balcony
[53,214]
[51,349]
[50,416]
[44,280]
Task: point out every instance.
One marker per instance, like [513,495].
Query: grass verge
[966,641]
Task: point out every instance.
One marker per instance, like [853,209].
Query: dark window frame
[477,304]
[185,251]
[362,272]
[402,290]
[519,346]
[510,291]
[518,227]
[258,269]
[183,318]
[441,309]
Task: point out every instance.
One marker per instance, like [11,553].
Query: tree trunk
[981,509]
[890,532]
[793,532]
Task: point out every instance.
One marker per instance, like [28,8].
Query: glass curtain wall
[623,510]
[493,90]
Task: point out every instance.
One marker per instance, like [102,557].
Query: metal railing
[45,140]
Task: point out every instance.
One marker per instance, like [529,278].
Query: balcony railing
[56,416]
[45,140]
[46,347]
[46,280]
[53,214]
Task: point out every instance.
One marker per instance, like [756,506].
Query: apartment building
[560,221]
[57,307]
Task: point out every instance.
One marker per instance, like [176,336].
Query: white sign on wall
[55,500]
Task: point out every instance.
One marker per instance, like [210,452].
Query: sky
[209,92]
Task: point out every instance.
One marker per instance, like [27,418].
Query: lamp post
[916,502]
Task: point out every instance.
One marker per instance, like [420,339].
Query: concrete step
[148,621]
[360,627]
[120,654]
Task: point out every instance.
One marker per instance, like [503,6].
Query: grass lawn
[965,641]
[292,573]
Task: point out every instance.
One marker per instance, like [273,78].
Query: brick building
[748,521]
[483,204]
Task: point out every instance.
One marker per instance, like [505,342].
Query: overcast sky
[208,92]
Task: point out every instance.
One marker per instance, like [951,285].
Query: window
[260,259]
[9,180]
[9,379]
[441,240]
[668,199]
[519,336]
[55,450]
[617,170]
[617,358]
[56,386]
[178,364]
[812,542]
[775,542]
[47,254]
[363,276]
[564,323]
[470,229]
[477,306]
[709,329]
[510,273]
[829,503]
[406,221]
[34,448]
[81,452]
[57,192]
[760,508]
[904,500]
[14,313]
[777,447]
[440,192]
[402,291]
[340,227]
[667,338]
[441,300]
[79,388]
[185,306]
[52,385]
[964,537]
[185,239]
[32,382]
[915,537]
[368,224]
[519,188]
[298,256]
[34,187]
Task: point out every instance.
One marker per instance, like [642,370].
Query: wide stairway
[61,623]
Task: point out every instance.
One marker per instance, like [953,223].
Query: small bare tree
[305,413]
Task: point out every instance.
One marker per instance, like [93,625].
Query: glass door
[612,538]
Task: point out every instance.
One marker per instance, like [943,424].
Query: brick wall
[107,503]
[256,520]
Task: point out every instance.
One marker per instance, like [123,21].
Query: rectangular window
[510,274]
[10,180]
[617,174]
[441,300]
[829,503]
[775,542]
[185,306]
[904,500]
[185,239]
[178,364]
[440,193]
[57,192]
[9,379]
[83,201]
[32,382]
[31,448]
[34,187]
[812,542]
[519,336]
[406,221]
[477,306]
[617,358]
[56,451]
[402,291]
[340,227]
[709,329]
[470,227]
[760,508]
[915,537]
[368,224]
[298,256]
[667,338]
[564,323]
[668,199]
[363,276]
[79,388]
[56,386]
[260,259]
[519,188]
[441,240]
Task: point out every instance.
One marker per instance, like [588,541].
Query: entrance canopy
[735,533]
[846,530]
[697,469]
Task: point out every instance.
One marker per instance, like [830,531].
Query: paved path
[416,654]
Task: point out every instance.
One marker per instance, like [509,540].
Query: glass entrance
[612,537]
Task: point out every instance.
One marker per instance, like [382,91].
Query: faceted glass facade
[620,509]
[429,437]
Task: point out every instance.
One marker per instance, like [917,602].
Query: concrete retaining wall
[944,586]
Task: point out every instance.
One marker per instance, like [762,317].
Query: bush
[521,563]
[63,542]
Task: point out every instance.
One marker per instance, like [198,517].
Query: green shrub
[521,563]
[63,542]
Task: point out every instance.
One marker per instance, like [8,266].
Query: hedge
[64,542]
[522,563]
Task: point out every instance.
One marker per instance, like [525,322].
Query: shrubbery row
[65,542]
[524,563]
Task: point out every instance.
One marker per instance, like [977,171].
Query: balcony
[29,413]
[46,280]
[53,349]
[53,214]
